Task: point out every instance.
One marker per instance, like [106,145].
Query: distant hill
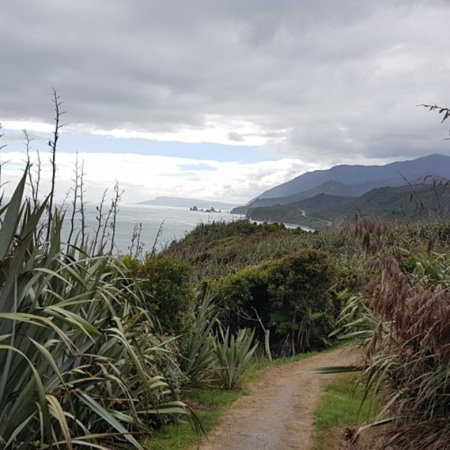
[365,178]
[329,187]
[187,203]
[349,180]
[408,202]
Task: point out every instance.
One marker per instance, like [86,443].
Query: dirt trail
[278,412]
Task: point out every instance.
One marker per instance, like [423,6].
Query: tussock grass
[405,323]
[409,354]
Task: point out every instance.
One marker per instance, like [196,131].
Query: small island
[207,210]
[200,205]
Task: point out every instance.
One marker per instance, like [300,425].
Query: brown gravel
[278,412]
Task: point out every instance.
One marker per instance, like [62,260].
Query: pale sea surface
[175,222]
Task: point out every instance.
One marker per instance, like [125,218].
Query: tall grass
[409,354]
[405,324]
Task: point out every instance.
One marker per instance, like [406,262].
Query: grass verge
[209,404]
[341,407]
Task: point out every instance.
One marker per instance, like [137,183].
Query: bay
[160,224]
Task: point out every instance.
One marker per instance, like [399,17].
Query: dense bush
[166,288]
[290,295]
[217,249]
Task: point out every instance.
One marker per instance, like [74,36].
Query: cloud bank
[320,82]
[144,177]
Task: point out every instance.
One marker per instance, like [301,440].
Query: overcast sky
[222,99]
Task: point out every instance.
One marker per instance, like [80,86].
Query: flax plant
[197,342]
[234,355]
[76,346]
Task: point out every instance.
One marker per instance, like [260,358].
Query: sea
[160,225]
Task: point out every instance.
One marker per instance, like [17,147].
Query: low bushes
[210,355]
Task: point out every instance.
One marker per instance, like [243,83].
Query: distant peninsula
[188,203]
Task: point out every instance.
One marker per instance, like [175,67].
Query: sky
[220,99]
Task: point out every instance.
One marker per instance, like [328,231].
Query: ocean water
[174,222]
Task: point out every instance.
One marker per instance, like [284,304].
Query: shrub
[301,301]
[166,287]
[291,296]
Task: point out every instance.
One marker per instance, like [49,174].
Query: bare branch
[137,246]
[114,211]
[74,189]
[158,235]
[440,109]
[96,245]
[82,191]
[52,143]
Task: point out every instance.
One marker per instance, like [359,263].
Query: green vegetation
[216,249]
[165,284]
[77,345]
[101,351]
[343,405]
[401,203]
[403,323]
[234,356]
[290,295]
[197,343]
[209,405]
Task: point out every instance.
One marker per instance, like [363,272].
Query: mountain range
[400,190]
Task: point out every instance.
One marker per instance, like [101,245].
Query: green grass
[211,396]
[179,436]
[209,404]
[340,407]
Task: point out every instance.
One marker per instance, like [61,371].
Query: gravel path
[278,412]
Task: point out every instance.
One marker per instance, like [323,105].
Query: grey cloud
[336,79]
[236,137]
[20,137]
